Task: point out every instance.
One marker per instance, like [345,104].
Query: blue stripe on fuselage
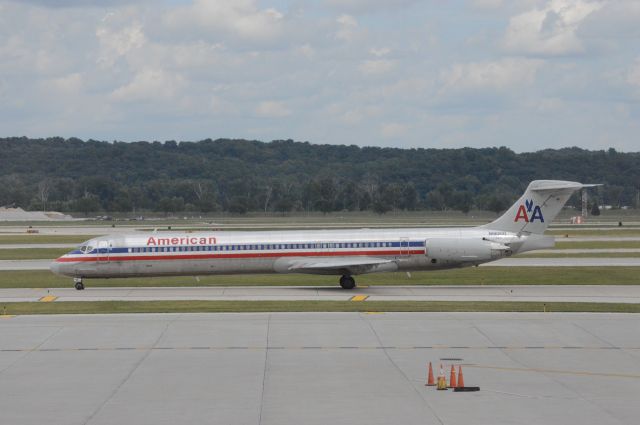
[256,247]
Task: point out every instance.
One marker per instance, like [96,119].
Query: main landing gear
[78,283]
[347,282]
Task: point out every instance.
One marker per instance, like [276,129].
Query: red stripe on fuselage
[129,257]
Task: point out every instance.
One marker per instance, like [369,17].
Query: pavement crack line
[128,375]
[582,328]
[551,377]
[34,349]
[395,365]
[264,371]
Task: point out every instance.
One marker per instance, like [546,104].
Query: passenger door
[404,247]
[103,251]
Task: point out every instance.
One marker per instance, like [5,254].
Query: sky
[526,74]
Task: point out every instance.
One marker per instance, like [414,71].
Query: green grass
[102,307]
[30,239]
[32,253]
[468,276]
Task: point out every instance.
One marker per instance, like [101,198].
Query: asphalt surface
[543,293]
[319,368]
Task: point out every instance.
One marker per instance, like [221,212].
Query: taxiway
[318,368]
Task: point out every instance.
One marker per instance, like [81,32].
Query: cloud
[355,71]
[550,30]
[72,83]
[149,85]
[633,75]
[356,115]
[79,3]
[347,28]
[368,6]
[235,20]
[393,129]
[272,109]
[376,67]
[613,24]
[379,52]
[116,43]
[491,75]
[487,4]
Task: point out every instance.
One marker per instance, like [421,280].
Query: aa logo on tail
[529,213]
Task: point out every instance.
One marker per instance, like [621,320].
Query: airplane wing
[354,265]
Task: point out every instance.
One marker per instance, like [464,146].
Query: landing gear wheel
[79,285]
[347,282]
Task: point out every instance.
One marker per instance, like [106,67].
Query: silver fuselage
[212,252]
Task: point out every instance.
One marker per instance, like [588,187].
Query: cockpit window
[83,249]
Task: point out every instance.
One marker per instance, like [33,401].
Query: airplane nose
[55,267]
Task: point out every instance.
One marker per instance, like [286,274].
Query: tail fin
[539,205]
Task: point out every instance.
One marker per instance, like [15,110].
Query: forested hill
[241,175]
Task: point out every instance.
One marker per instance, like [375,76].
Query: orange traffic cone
[430,380]
[460,377]
[452,378]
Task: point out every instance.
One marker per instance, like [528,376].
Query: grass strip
[108,307]
[467,276]
[32,253]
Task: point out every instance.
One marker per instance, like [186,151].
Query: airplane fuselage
[331,252]
[205,253]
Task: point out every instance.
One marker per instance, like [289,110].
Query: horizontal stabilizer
[543,185]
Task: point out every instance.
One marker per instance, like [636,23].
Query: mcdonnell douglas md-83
[344,253]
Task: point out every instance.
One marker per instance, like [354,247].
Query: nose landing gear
[78,283]
[347,282]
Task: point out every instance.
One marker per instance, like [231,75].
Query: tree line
[239,176]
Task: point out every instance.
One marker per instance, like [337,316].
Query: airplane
[345,253]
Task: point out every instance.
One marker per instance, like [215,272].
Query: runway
[505,262]
[318,368]
[541,293]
